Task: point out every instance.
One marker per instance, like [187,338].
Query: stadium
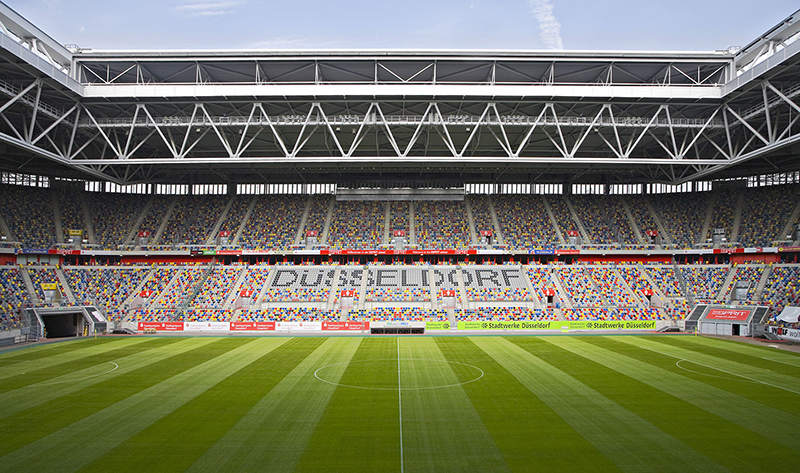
[399,260]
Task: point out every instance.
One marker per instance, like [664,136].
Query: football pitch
[349,404]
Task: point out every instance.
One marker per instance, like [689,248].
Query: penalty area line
[724,371]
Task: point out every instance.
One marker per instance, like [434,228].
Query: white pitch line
[720,369]
[400,403]
[51,383]
[423,388]
[779,361]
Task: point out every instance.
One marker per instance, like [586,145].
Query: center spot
[416,374]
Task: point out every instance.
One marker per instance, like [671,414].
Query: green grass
[556,403]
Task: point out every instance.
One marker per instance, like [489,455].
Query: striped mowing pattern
[549,403]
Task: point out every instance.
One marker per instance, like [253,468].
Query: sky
[663,25]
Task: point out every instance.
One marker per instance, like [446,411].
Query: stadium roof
[398,116]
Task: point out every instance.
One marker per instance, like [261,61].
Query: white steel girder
[81,138]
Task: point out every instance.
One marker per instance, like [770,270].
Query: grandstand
[344,209]
[346,195]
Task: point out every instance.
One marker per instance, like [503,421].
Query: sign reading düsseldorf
[560,325]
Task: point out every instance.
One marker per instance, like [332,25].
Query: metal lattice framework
[499,117]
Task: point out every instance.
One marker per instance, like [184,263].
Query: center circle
[381,375]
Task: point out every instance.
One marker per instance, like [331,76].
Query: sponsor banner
[256,326]
[786,333]
[64,252]
[48,286]
[789,248]
[510,325]
[229,252]
[298,326]
[347,325]
[728,250]
[728,314]
[544,252]
[568,252]
[559,325]
[437,325]
[396,323]
[33,251]
[208,252]
[397,252]
[207,326]
[255,252]
[162,326]
[611,325]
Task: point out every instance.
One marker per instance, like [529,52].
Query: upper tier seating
[235,216]
[563,216]
[481,214]
[113,217]
[441,225]
[722,213]
[192,219]
[154,216]
[683,216]
[765,213]
[28,212]
[596,212]
[357,225]
[274,222]
[400,219]
[524,222]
